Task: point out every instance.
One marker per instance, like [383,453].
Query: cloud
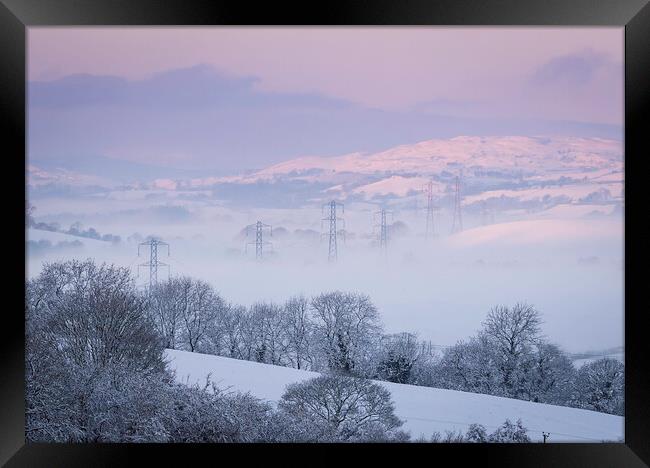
[199,86]
[203,120]
[575,69]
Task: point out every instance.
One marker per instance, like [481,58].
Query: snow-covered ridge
[404,169]
[425,410]
[434,156]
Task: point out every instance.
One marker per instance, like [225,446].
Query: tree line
[341,332]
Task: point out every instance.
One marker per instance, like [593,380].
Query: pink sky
[386,68]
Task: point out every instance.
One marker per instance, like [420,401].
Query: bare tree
[269,329]
[299,332]
[248,332]
[512,333]
[200,307]
[166,311]
[232,327]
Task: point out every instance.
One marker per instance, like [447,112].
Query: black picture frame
[634,15]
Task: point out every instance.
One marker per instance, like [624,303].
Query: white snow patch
[535,232]
[425,410]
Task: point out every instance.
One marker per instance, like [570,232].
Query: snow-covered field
[424,410]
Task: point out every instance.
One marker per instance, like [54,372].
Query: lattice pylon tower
[332,235]
[153,262]
[259,242]
[383,235]
[457,224]
[430,232]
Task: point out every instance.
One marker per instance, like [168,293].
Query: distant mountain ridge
[497,166]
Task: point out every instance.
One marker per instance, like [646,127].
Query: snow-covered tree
[94,363]
[476,433]
[510,432]
[231,326]
[399,354]
[346,327]
[512,333]
[600,386]
[337,408]
[166,309]
[195,309]
[470,366]
[299,332]
[550,375]
[269,328]
[94,315]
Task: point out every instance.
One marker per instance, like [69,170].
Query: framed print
[377,227]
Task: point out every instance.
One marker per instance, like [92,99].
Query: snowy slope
[424,410]
[536,232]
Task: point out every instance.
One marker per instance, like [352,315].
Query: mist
[441,288]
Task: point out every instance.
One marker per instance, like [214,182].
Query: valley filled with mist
[542,222]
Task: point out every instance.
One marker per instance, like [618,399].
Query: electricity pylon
[431,208]
[457,224]
[259,238]
[383,229]
[332,234]
[153,262]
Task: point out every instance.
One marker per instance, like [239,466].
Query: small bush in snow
[509,432]
[476,433]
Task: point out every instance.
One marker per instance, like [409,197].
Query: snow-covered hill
[424,410]
[433,156]
[526,168]
[514,154]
